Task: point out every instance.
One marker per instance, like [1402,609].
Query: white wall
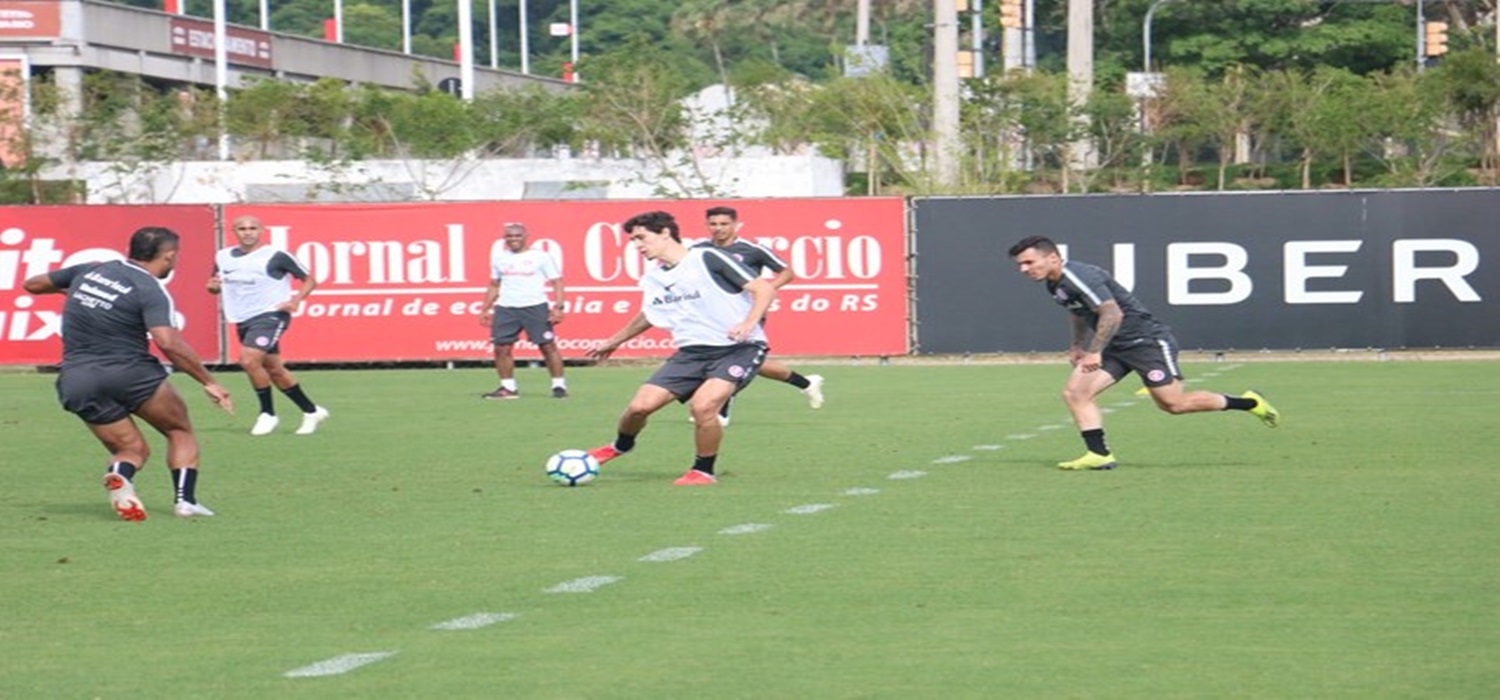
[217,182]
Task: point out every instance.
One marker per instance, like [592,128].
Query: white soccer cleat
[265,424]
[310,421]
[814,390]
[183,509]
[123,499]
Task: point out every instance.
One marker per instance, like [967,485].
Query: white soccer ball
[572,468]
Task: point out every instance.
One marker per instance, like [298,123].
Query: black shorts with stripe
[506,326]
[106,392]
[1155,359]
[690,366]
[264,332]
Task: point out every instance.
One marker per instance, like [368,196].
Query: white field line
[1054,426]
[745,529]
[907,474]
[989,448]
[474,622]
[809,508]
[952,459]
[1020,436]
[671,554]
[861,491]
[338,664]
[587,584]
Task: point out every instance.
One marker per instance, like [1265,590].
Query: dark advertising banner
[1391,269]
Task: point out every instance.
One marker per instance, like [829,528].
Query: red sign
[248,47]
[30,19]
[34,240]
[405,281]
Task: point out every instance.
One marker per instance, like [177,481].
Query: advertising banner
[34,240]
[250,47]
[403,282]
[1284,271]
[30,19]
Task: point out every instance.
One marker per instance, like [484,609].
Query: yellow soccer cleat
[1263,409]
[1089,460]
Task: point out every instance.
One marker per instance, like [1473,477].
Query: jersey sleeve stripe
[1082,288]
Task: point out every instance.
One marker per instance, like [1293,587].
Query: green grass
[1351,553]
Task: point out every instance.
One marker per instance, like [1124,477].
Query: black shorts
[1155,359]
[264,332]
[690,366]
[104,393]
[505,327]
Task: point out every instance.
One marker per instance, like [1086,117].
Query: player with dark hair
[723,227]
[1114,334]
[516,299]
[108,372]
[255,281]
[713,308]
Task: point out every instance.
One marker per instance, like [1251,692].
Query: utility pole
[1081,74]
[945,93]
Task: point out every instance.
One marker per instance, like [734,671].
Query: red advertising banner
[249,47]
[30,19]
[405,281]
[34,240]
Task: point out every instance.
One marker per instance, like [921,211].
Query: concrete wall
[515,179]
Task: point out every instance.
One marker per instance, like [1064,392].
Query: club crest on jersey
[1156,375]
[737,371]
[262,341]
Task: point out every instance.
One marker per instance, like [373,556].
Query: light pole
[1146,33]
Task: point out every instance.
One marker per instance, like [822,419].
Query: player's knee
[1173,406]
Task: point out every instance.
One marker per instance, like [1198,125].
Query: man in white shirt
[254,280]
[713,307]
[516,299]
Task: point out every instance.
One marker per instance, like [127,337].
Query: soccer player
[713,308]
[1114,334]
[254,279]
[517,298]
[108,372]
[723,227]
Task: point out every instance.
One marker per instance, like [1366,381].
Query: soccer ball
[572,468]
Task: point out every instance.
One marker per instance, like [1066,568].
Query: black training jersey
[111,307]
[752,255]
[1084,287]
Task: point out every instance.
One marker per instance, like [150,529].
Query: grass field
[910,540]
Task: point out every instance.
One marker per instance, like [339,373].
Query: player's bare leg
[505,366]
[648,399]
[1080,394]
[167,412]
[254,362]
[128,452]
[708,433]
[553,359]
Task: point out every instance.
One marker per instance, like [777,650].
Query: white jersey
[523,276]
[699,299]
[255,282]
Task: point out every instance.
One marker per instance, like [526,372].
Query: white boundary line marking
[907,474]
[671,554]
[745,529]
[1054,426]
[338,664]
[952,459]
[587,584]
[989,448]
[861,491]
[475,621]
[809,508]
[1020,436]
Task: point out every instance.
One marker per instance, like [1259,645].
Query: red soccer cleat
[122,497]
[604,453]
[693,477]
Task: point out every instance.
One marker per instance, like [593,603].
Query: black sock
[294,392]
[1237,403]
[704,464]
[1094,439]
[624,443]
[184,484]
[798,381]
[125,469]
[724,410]
[266,405]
